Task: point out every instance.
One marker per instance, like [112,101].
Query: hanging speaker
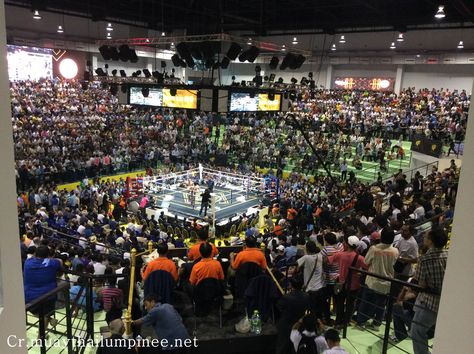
[234,51]
[225,63]
[274,63]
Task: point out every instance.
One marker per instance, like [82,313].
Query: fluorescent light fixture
[37,15]
[440,13]
[400,37]
[60,29]
[342,39]
[249,42]
[295,41]
[333,47]
[392,46]
[461,45]
[163,34]
[283,48]
[109,27]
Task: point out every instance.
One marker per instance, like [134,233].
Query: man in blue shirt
[39,278]
[166,322]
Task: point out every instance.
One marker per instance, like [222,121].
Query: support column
[456,311]
[12,306]
[327,86]
[398,79]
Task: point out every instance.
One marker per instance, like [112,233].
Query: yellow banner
[182,99]
[265,104]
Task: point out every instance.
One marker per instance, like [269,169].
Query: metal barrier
[43,332]
[395,287]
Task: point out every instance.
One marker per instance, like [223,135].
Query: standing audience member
[429,274]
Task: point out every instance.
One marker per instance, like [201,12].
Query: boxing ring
[180,194]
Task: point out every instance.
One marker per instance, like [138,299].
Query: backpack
[307,345]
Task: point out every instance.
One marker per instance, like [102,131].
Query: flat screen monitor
[266,104]
[155,97]
[29,63]
[186,99]
[243,102]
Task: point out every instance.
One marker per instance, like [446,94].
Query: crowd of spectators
[318,226]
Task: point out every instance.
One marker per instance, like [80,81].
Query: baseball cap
[281,248]
[353,241]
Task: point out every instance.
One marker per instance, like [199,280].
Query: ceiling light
[418,55]
[295,41]
[342,39]
[440,13]
[37,15]
[109,36]
[392,46]
[283,48]
[461,45]
[163,34]
[109,27]
[333,47]
[249,42]
[400,37]
[60,29]
[147,40]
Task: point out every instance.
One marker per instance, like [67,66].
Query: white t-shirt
[316,281]
[295,337]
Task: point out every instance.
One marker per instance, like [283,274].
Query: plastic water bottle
[256,323]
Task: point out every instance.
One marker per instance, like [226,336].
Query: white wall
[453,77]
[246,72]
[353,70]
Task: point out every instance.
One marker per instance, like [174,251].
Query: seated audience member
[112,299]
[249,254]
[194,254]
[334,342]
[161,263]
[307,334]
[206,267]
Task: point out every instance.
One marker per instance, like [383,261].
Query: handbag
[312,273]
[338,287]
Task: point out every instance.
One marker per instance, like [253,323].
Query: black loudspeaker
[124,52]
[123,73]
[274,63]
[176,60]
[258,80]
[133,56]
[114,54]
[185,53]
[124,88]
[296,62]
[147,73]
[271,96]
[252,54]
[173,91]
[113,89]
[87,75]
[243,56]
[225,63]
[234,51]
[145,91]
[287,60]
[105,52]
[163,64]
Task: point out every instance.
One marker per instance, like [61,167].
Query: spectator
[334,342]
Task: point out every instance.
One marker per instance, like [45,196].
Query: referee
[206,198]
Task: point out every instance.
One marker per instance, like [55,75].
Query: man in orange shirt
[250,254]
[206,267]
[194,254]
[161,263]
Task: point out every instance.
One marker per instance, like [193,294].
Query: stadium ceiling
[266,17]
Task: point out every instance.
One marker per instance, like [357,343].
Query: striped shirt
[112,298]
[430,273]
[331,271]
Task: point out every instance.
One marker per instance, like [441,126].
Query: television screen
[155,97]
[265,104]
[182,99]
[29,63]
[243,102]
